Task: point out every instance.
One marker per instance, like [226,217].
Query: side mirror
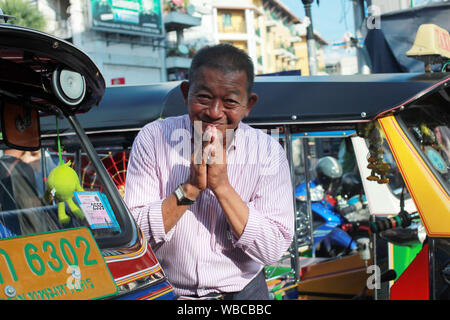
[20,127]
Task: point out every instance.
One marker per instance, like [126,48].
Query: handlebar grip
[388,275]
[403,219]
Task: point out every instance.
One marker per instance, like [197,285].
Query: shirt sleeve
[143,192]
[270,226]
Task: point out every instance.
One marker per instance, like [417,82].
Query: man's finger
[207,153]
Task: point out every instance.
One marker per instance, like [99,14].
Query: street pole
[310,40]
[359,18]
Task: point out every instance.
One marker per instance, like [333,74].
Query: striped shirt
[199,254]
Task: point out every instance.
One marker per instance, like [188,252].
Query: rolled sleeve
[150,220]
[251,230]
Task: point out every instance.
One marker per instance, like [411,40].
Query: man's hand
[198,166]
[217,175]
[208,168]
[197,174]
[235,209]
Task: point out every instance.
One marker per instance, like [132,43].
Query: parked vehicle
[415,99]
[398,128]
[60,239]
[402,109]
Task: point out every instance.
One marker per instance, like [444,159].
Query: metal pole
[308,193]
[109,187]
[374,255]
[432,268]
[359,18]
[310,40]
[78,162]
[295,259]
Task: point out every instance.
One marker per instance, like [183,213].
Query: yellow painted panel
[429,196]
[57,265]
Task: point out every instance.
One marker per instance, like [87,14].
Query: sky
[331,19]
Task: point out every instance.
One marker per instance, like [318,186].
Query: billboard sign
[136,17]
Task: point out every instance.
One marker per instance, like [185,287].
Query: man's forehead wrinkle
[231,86]
[200,87]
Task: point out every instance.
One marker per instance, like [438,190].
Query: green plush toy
[62,182]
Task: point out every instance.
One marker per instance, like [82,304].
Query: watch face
[179,194]
[181,198]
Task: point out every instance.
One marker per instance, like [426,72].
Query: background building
[386,6]
[126,39]
[390,5]
[144,41]
[267,30]
[344,65]
[114,35]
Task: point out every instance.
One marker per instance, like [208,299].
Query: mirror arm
[48,109]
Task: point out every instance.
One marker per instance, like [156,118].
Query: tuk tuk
[390,134]
[60,239]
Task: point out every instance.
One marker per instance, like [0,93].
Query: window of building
[226,19]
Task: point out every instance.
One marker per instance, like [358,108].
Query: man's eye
[229,103]
[203,98]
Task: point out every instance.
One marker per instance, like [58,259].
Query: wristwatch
[181,198]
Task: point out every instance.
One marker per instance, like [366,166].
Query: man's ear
[251,102]
[184,87]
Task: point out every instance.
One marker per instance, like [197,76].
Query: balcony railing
[178,20]
[178,62]
[285,53]
[236,28]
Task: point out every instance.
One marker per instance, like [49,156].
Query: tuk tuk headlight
[69,86]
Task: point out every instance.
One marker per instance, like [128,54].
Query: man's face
[218,99]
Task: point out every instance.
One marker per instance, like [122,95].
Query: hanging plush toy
[62,182]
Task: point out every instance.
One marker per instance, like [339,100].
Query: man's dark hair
[224,57]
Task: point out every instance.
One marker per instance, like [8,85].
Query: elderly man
[215,215]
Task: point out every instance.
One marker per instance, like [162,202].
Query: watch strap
[181,197]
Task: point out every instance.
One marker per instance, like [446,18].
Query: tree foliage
[26,14]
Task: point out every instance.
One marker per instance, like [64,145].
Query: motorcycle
[337,212]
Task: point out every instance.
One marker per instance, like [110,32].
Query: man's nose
[215,110]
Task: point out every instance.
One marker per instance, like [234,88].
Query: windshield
[335,187]
[57,188]
[429,128]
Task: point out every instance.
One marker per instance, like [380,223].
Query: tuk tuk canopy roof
[29,58]
[282,100]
